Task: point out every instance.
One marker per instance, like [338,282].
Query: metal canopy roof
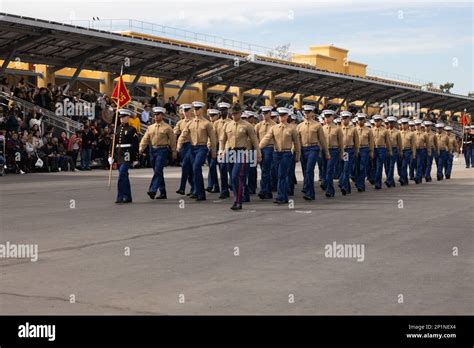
[60,45]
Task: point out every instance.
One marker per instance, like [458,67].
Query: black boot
[162,196]
[224,195]
[236,206]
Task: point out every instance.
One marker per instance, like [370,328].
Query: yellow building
[332,59]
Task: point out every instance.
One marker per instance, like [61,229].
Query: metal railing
[401,78]
[49,117]
[124,25]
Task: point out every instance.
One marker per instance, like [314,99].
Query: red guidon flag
[120,94]
[464,120]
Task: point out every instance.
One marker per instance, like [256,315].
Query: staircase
[49,117]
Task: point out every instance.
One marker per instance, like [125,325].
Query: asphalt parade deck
[203,258]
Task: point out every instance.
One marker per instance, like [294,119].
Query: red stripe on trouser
[240,175]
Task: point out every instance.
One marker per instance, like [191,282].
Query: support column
[159,87]
[107,86]
[270,101]
[298,101]
[202,91]
[48,75]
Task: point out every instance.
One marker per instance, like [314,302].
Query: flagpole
[115,126]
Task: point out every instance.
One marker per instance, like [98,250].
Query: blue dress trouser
[198,153]
[344,181]
[420,160]
[441,163]
[339,167]
[330,170]
[392,161]
[449,164]
[252,180]
[186,167]
[323,164]
[224,172]
[239,172]
[212,179]
[371,169]
[407,157]
[282,161]
[412,165]
[309,158]
[291,175]
[363,162]
[266,168]
[429,164]
[380,156]
[124,191]
[468,151]
[158,158]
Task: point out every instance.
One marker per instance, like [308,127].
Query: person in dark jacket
[88,139]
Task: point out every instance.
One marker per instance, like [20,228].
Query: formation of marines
[345,147]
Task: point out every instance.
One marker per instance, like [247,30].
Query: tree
[446,88]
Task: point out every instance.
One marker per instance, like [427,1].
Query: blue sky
[427,40]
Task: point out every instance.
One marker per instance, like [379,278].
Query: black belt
[380,147]
[237,148]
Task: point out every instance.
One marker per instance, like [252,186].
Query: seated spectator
[64,160]
[37,142]
[49,156]
[35,118]
[63,140]
[16,154]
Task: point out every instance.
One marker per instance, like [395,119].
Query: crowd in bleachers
[32,145]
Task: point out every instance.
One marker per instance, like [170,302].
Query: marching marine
[198,131]
[285,138]
[261,129]
[126,152]
[161,141]
[351,151]
[313,144]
